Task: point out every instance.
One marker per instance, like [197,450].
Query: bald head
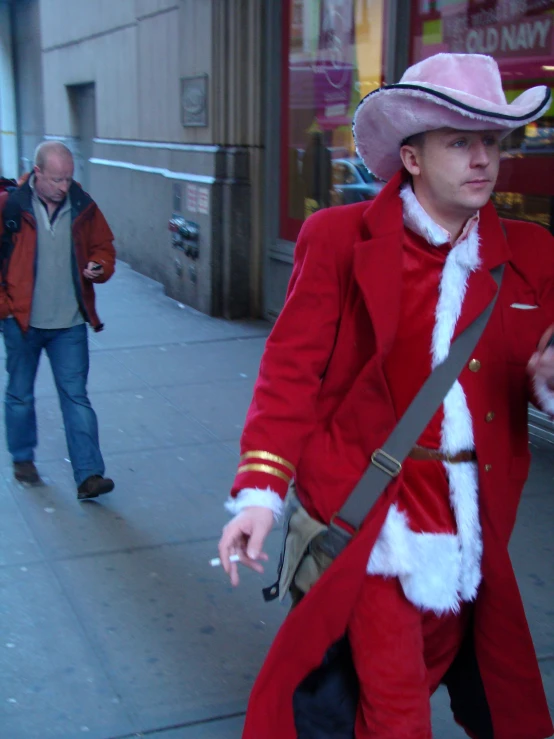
[53,172]
[47,149]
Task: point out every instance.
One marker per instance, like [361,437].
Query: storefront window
[333,56]
[333,51]
[519,35]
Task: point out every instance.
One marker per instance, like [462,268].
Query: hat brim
[387,116]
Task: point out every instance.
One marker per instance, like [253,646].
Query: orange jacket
[92,242]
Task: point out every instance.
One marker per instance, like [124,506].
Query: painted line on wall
[159,145]
[186,176]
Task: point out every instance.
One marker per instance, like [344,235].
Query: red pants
[401,654]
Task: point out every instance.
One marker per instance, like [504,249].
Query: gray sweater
[55,303]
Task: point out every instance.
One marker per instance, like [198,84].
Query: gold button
[489,417]
[488,467]
[475,365]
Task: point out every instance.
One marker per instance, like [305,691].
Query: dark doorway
[82,102]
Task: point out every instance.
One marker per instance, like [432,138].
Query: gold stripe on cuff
[269,457]
[264,468]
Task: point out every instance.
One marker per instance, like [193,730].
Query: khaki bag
[303,560]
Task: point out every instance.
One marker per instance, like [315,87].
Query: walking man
[424,589]
[55,245]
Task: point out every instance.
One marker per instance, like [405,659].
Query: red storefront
[336,51]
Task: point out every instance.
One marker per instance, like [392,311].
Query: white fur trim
[267,498]
[464,499]
[544,395]
[416,219]
[461,260]
[457,426]
[392,553]
[430,584]
[424,563]
[438,570]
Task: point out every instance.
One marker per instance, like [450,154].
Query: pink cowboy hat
[462,91]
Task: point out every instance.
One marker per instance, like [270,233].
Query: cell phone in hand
[96,268]
[550,342]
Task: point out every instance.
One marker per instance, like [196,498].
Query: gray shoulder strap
[386,462]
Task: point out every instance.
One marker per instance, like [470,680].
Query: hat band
[463,106]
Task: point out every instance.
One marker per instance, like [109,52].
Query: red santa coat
[322,405]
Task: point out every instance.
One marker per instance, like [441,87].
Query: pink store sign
[519,35]
[527,37]
[332,93]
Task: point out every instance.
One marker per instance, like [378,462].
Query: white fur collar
[466,251]
[419,221]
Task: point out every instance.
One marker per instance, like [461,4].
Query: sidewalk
[113,624]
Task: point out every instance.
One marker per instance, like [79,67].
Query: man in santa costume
[425,590]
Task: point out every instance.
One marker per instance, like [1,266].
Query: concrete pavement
[112,623]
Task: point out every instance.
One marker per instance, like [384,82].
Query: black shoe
[94,486]
[26,472]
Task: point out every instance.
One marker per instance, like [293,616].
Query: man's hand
[541,364]
[245,535]
[91,273]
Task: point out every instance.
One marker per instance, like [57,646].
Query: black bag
[7,184]
[11,223]
[326,701]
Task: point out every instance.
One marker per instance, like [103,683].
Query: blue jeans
[67,350]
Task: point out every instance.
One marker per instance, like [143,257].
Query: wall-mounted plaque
[194,100]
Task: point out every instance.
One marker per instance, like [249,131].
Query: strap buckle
[385,462]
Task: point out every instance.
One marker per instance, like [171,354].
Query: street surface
[113,625]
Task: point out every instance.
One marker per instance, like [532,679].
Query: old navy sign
[528,37]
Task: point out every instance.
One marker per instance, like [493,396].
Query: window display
[332,59]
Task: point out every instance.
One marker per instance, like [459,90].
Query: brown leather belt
[421,453]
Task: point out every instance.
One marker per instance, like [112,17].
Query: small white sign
[204,200]
[332,111]
[192,198]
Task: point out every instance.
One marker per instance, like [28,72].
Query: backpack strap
[11,223]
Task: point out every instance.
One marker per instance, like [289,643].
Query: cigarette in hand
[217,562]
